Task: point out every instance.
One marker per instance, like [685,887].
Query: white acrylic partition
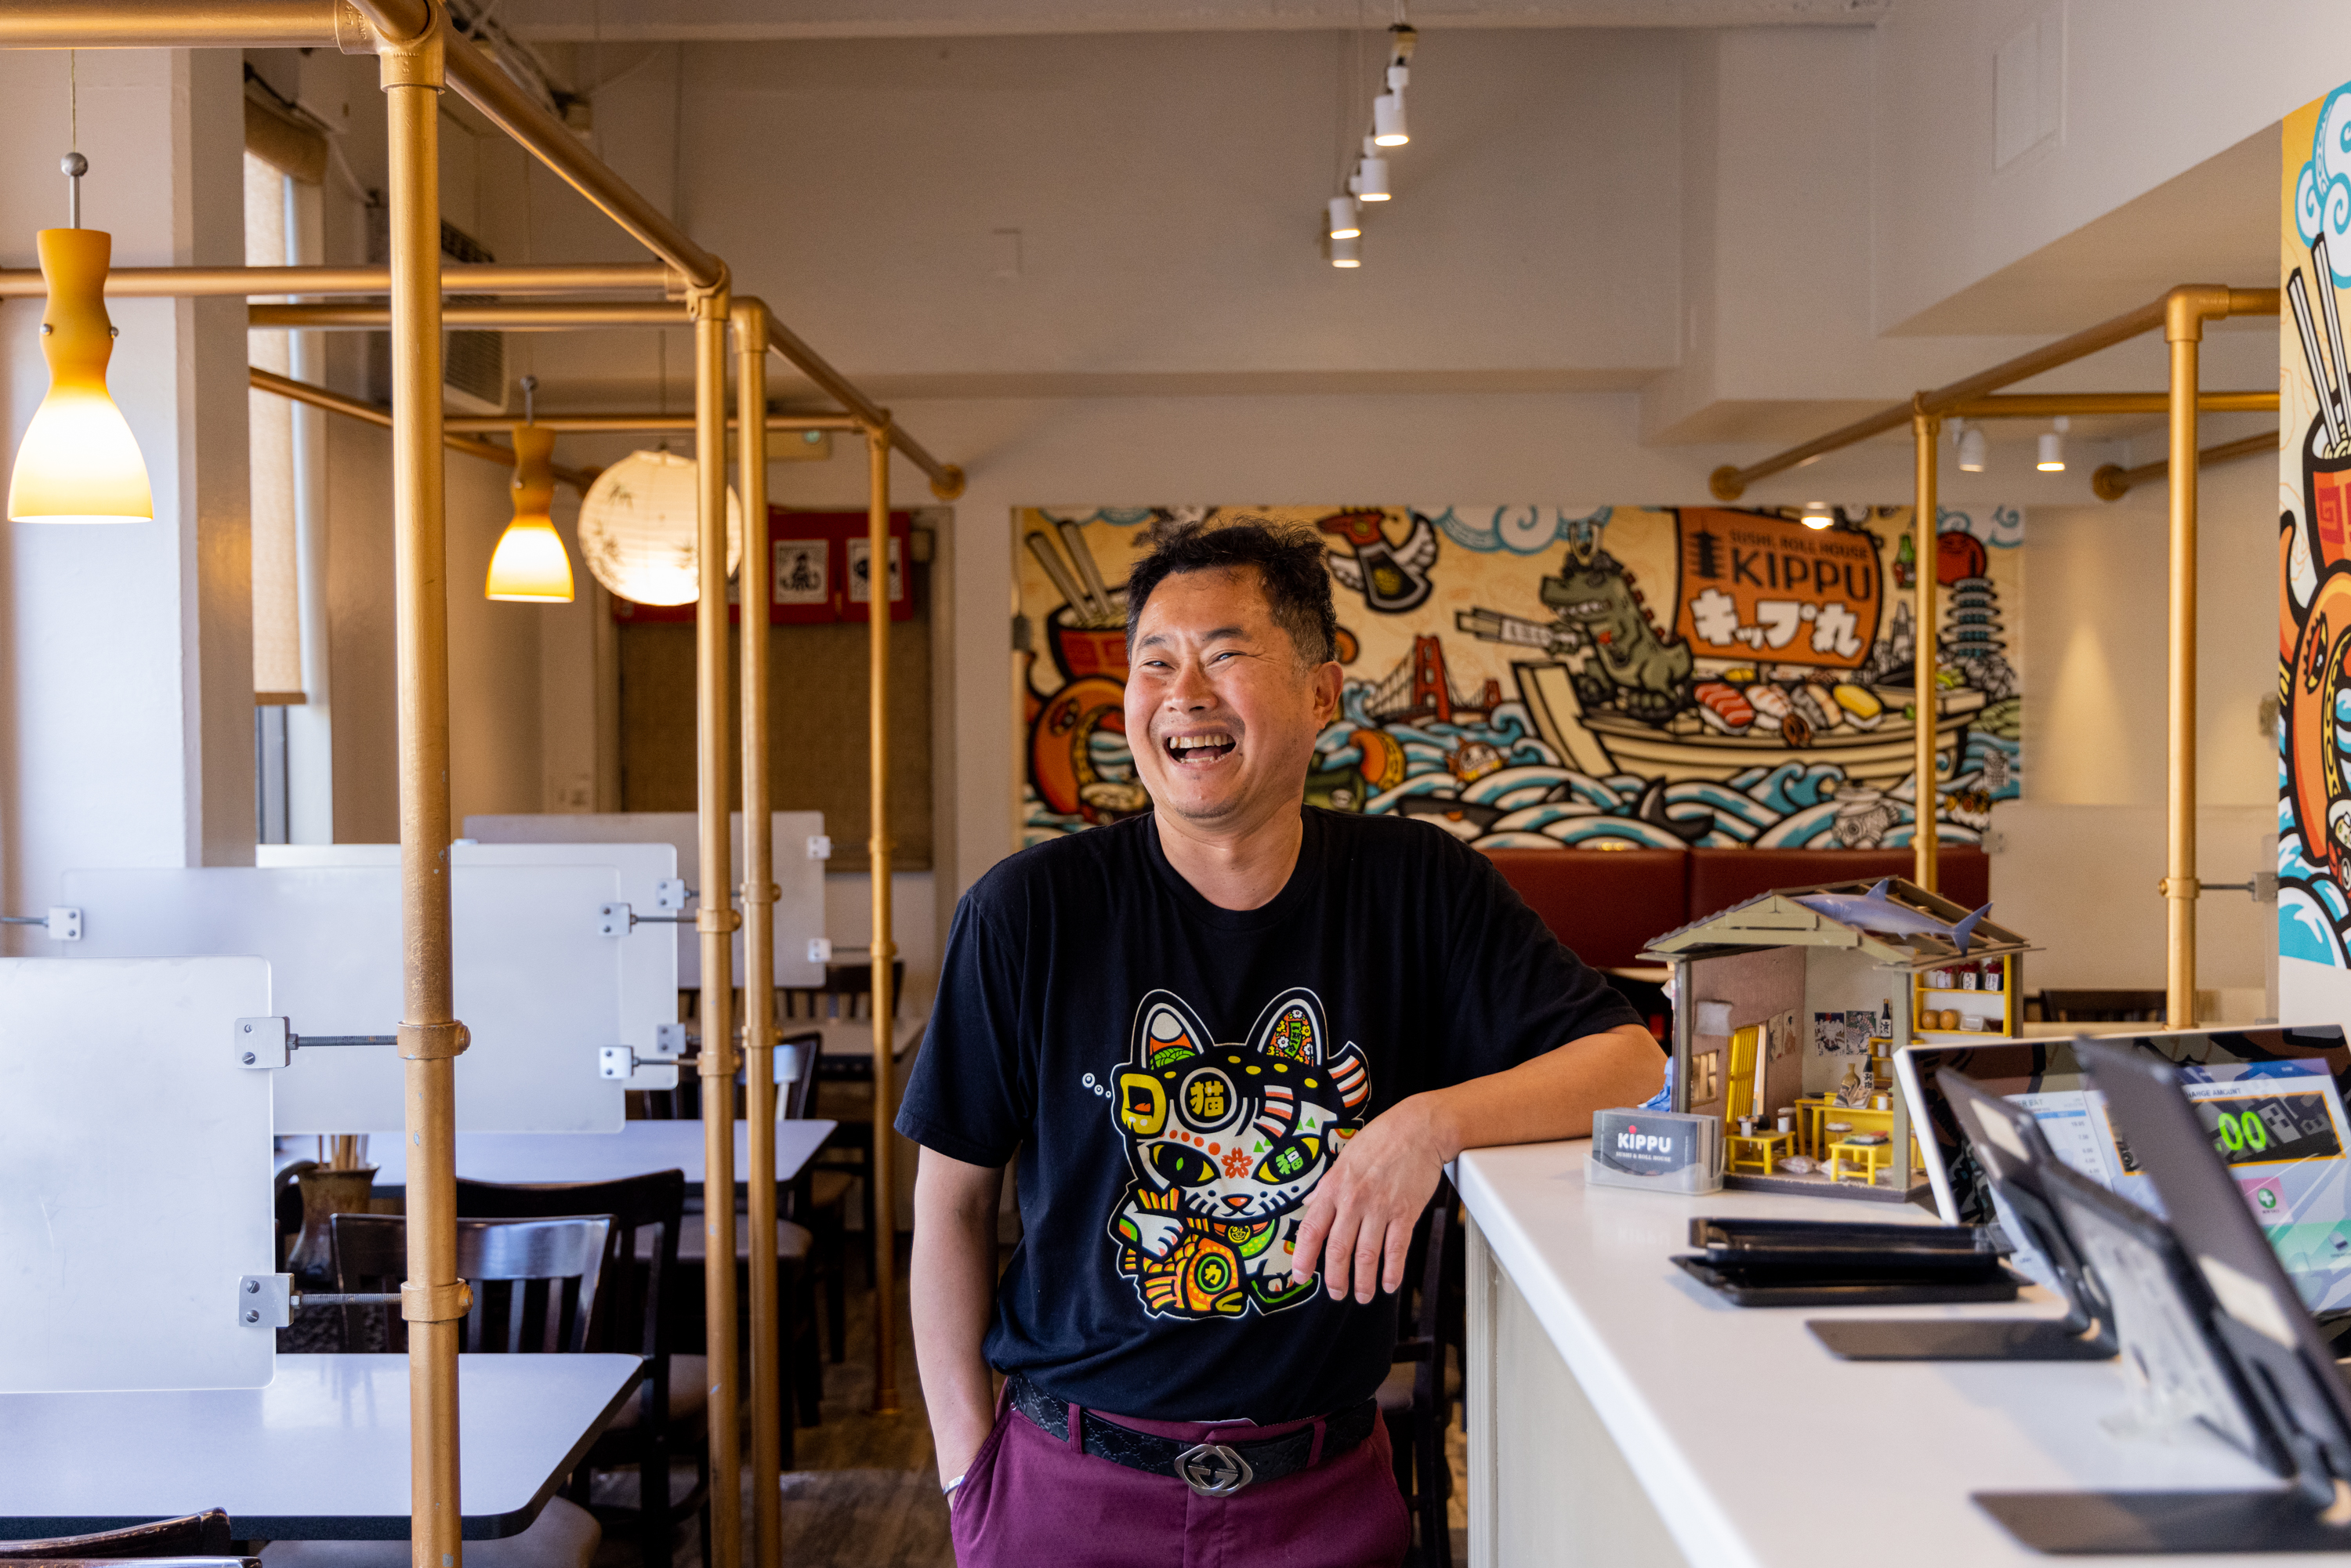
[536,986]
[649,981]
[134,1174]
[800,881]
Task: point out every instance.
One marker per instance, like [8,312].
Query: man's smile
[1200,750]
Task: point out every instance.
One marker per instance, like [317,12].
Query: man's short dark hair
[1289,563]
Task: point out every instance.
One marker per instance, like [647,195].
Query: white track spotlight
[1371,181]
[1816,515]
[1346,253]
[2053,446]
[1972,447]
[1343,223]
[1388,111]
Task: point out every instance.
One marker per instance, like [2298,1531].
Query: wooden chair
[1418,1398]
[190,1537]
[534,1283]
[636,1314]
[845,1091]
[286,1202]
[818,1200]
[533,1280]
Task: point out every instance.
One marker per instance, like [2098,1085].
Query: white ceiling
[614,21]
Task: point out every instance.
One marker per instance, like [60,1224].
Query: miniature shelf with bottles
[1963,998]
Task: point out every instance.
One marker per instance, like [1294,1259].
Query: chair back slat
[509,1264]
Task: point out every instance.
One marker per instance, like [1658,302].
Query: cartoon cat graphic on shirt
[1225,1142]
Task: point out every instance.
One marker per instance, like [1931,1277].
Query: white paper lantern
[637,528]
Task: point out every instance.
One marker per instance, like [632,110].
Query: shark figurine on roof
[1877,911]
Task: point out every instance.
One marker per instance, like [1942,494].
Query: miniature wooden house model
[1789,1009]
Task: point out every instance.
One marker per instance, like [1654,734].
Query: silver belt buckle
[1213,1470]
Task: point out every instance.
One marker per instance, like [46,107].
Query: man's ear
[1328,678]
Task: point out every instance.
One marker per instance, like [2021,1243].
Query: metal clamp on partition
[432,1042]
[267,1042]
[434,1303]
[2261,889]
[63,924]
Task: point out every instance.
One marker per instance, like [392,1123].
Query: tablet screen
[2272,1099]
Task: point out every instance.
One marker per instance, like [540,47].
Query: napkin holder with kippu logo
[1658,1151]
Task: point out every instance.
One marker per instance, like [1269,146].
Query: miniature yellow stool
[1760,1150]
[1869,1157]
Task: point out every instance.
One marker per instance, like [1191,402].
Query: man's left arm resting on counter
[1359,1219]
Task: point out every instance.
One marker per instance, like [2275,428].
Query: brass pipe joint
[2109,482]
[432,1042]
[2187,307]
[949,484]
[434,1303]
[2179,887]
[711,304]
[717,922]
[1725,483]
[749,317]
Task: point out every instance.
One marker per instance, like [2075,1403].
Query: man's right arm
[952,1286]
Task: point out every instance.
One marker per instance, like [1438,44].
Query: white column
[126,654]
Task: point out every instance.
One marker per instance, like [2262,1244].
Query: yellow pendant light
[530,565]
[79,462]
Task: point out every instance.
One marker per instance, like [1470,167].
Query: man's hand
[1358,1220]
[1357,1223]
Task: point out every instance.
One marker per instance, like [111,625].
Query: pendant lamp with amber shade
[530,565]
[79,462]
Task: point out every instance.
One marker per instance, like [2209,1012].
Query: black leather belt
[1212,1469]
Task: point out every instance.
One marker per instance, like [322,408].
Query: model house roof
[1841,915]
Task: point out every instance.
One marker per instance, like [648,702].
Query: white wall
[2152,89]
[126,719]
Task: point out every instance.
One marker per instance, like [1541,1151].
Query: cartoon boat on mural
[1770,650]
[1683,746]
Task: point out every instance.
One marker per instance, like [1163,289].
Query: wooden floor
[863,1491]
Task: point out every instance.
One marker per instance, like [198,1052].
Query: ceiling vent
[473,364]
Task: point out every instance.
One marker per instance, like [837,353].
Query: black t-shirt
[1175,1078]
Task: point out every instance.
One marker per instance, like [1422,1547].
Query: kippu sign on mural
[1587,677]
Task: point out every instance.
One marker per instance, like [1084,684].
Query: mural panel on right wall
[2314,564]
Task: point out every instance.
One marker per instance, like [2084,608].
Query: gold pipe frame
[376,414]
[2046,405]
[2186,310]
[1926,806]
[715,921]
[519,316]
[251,282]
[885,952]
[434,1301]
[2113,481]
[750,320]
[416,53]
[946,479]
[621,423]
[1729,483]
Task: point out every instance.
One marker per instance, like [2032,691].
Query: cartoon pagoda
[1789,1011]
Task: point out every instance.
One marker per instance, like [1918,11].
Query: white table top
[638,1147]
[1662,1357]
[320,1454]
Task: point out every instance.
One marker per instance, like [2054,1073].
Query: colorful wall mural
[2313,520]
[1594,677]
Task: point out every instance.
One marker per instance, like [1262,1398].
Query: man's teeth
[1181,746]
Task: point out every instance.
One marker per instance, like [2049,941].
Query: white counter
[1621,1413]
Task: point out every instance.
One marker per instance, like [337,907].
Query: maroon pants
[1028,1497]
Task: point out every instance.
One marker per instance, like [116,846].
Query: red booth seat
[1606,906]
